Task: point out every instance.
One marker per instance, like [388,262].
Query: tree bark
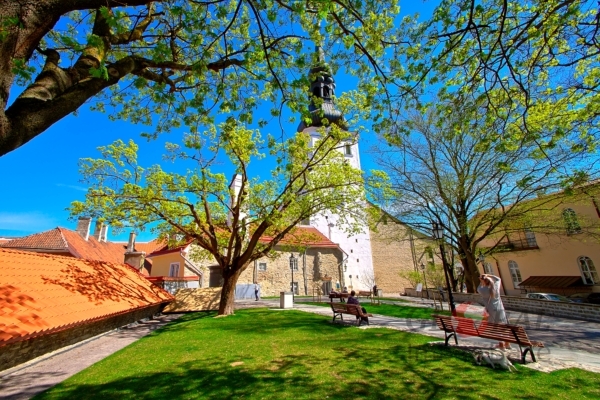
[471,271]
[231,275]
[57,91]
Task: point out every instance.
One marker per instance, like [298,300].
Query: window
[571,222]
[295,265]
[262,266]
[487,268]
[295,288]
[588,271]
[174,270]
[305,221]
[348,149]
[530,238]
[515,274]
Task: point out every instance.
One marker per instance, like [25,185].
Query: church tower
[358,264]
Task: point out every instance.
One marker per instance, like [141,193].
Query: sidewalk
[26,380]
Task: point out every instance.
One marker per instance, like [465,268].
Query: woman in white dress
[489,289]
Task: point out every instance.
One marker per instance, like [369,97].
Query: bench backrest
[488,330]
[465,326]
[508,333]
[353,309]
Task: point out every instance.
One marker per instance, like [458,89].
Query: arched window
[487,268]
[571,222]
[515,273]
[588,271]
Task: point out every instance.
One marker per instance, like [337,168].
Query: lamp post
[438,234]
[422,266]
[293,265]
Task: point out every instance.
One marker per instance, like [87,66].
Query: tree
[535,62]
[227,223]
[169,63]
[457,169]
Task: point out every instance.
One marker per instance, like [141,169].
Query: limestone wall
[582,311]
[316,267]
[392,253]
[19,352]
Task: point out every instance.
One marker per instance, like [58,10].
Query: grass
[277,354]
[310,297]
[392,310]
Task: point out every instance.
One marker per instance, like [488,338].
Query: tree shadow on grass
[314,359]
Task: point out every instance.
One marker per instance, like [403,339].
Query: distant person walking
[256,290]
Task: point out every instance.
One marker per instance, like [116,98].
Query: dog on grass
[493,358]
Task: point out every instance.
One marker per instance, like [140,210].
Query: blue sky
[41,178]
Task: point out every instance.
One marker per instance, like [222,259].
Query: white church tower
[358,265]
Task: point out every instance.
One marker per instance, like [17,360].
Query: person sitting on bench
[353,300]
[345,291]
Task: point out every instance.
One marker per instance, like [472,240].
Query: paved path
[26,380]
[570,343]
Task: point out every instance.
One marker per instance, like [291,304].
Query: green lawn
[288,354]
[392,310]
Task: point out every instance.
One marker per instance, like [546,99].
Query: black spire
[322,87]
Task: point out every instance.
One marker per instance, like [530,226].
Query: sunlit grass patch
[288,354]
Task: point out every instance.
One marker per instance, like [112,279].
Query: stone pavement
[569,343]
[26,380]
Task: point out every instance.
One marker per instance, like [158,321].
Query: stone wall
[585,312]
[392,249]
[19,352]
[316,267]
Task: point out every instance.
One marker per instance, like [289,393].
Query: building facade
[562,258]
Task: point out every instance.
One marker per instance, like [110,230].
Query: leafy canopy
[310,177]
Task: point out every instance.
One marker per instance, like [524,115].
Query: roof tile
[42,293]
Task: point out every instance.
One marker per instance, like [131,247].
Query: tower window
[348,149]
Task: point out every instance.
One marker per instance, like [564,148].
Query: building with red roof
[81,244]
[49,301]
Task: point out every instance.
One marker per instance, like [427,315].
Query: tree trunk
[230,280]
[471,271]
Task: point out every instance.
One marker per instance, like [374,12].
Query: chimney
[98,230]
[132,257]
[104,233]
[83,227]
[131,244]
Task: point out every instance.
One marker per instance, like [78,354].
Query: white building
[358,271]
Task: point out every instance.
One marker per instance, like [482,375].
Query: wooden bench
[364,293]
[340,296]
[339,309]
[501,332]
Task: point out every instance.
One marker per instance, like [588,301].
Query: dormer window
[348,149]
[571,221]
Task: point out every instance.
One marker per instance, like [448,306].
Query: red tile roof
[49,240]
[68,241]
[43,293]
[304,236]
[151,246]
